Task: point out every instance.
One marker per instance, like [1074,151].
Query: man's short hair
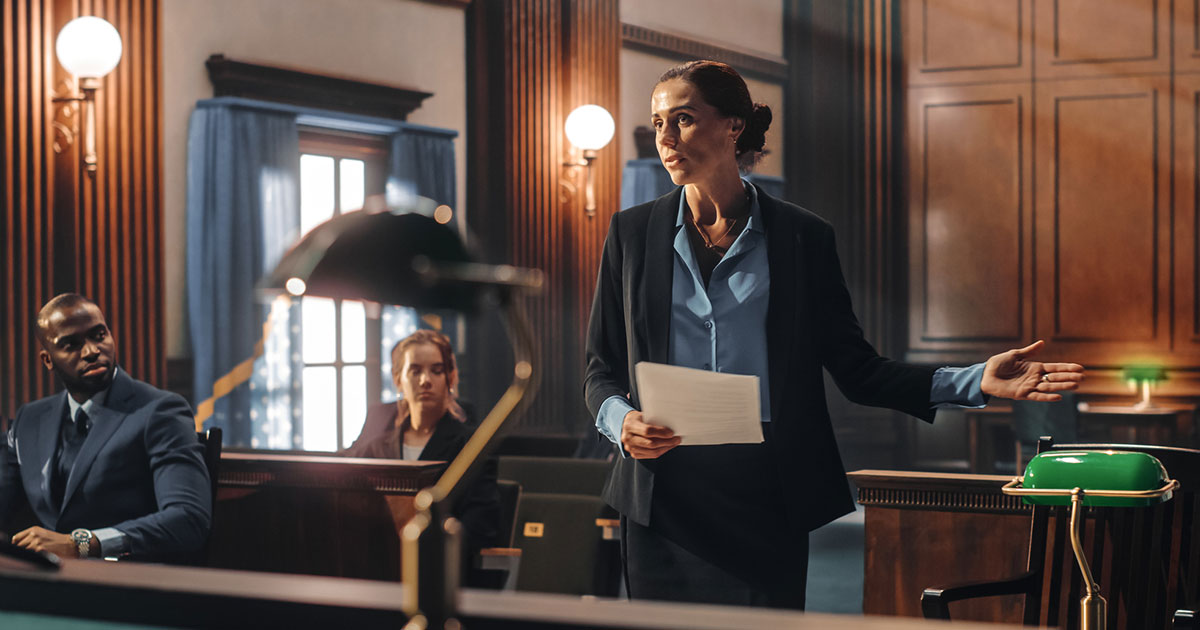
[59,302]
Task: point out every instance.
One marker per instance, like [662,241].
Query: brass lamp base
[1093,613]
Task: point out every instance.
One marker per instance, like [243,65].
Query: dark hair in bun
[723,88]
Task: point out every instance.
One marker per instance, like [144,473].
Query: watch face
[81,536]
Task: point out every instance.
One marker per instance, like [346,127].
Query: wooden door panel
[968,201]
[1102,218]
[1088,38]
[951,41]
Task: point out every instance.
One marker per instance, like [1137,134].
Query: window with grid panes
[340,339]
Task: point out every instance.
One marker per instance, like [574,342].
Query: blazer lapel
[105,420]
[45,442]
[659,270]
[784,264]
[441,445]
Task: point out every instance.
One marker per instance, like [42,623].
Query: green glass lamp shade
[1095,470]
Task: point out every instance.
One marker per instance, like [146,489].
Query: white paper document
[701,407]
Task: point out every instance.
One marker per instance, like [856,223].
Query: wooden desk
[318,515]
[1164,424]
[931,529]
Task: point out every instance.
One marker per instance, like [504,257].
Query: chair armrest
[610,528]
[1184,619]
[500,552]
[935,599]
[504,562]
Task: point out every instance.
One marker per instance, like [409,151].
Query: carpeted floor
[835,566]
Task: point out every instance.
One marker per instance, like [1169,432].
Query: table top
[1157,409]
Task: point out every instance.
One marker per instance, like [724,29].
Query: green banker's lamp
[1144,377]
[1092,478]
[407,257]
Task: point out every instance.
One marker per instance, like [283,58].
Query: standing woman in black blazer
[717,275]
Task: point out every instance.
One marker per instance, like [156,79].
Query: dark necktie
[71,439]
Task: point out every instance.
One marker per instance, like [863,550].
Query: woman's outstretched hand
[1015,375]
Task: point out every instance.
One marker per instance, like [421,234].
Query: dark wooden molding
[936,491]
[655,41]
[458,4]
[297,87]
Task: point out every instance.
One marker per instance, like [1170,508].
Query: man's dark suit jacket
[810,325]
[140,470]
[478,508]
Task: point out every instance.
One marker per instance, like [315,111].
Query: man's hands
[1012,375]
[646,441]
[41,539]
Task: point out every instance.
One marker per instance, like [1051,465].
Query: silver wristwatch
[83,541]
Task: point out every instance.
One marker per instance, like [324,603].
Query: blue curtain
[645,179]
[421,164]
[242,213]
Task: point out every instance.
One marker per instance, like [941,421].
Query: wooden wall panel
[1103,216]
[26,190]
[969,203]
[1187,35]
[1186,176]
[532,62]
[954,41]
[65,230]
[1078,38]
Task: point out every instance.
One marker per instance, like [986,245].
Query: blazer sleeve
[863,376]
[12,492]
[607,354]
[181,486]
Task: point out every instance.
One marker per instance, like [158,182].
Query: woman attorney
[717,275]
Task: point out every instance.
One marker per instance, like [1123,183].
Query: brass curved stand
[1093,608]
[429,564]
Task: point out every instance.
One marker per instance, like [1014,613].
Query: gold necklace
[713,244]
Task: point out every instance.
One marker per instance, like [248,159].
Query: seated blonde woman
[427,424]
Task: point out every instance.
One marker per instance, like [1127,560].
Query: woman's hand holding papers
[643,440]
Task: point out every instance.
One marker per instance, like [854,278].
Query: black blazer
[478,508]
[810,325]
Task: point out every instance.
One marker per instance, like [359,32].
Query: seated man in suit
[110,468]
[427,424]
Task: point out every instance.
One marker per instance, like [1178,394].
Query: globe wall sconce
[89,48]
[589,128]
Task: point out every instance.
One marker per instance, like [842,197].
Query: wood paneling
[531,63]
[1186,175]
[1187,35]
[65,230]
[969,215]
[26,189]
[1088,38]
[954,41]
[1103,216]
[1108,241]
